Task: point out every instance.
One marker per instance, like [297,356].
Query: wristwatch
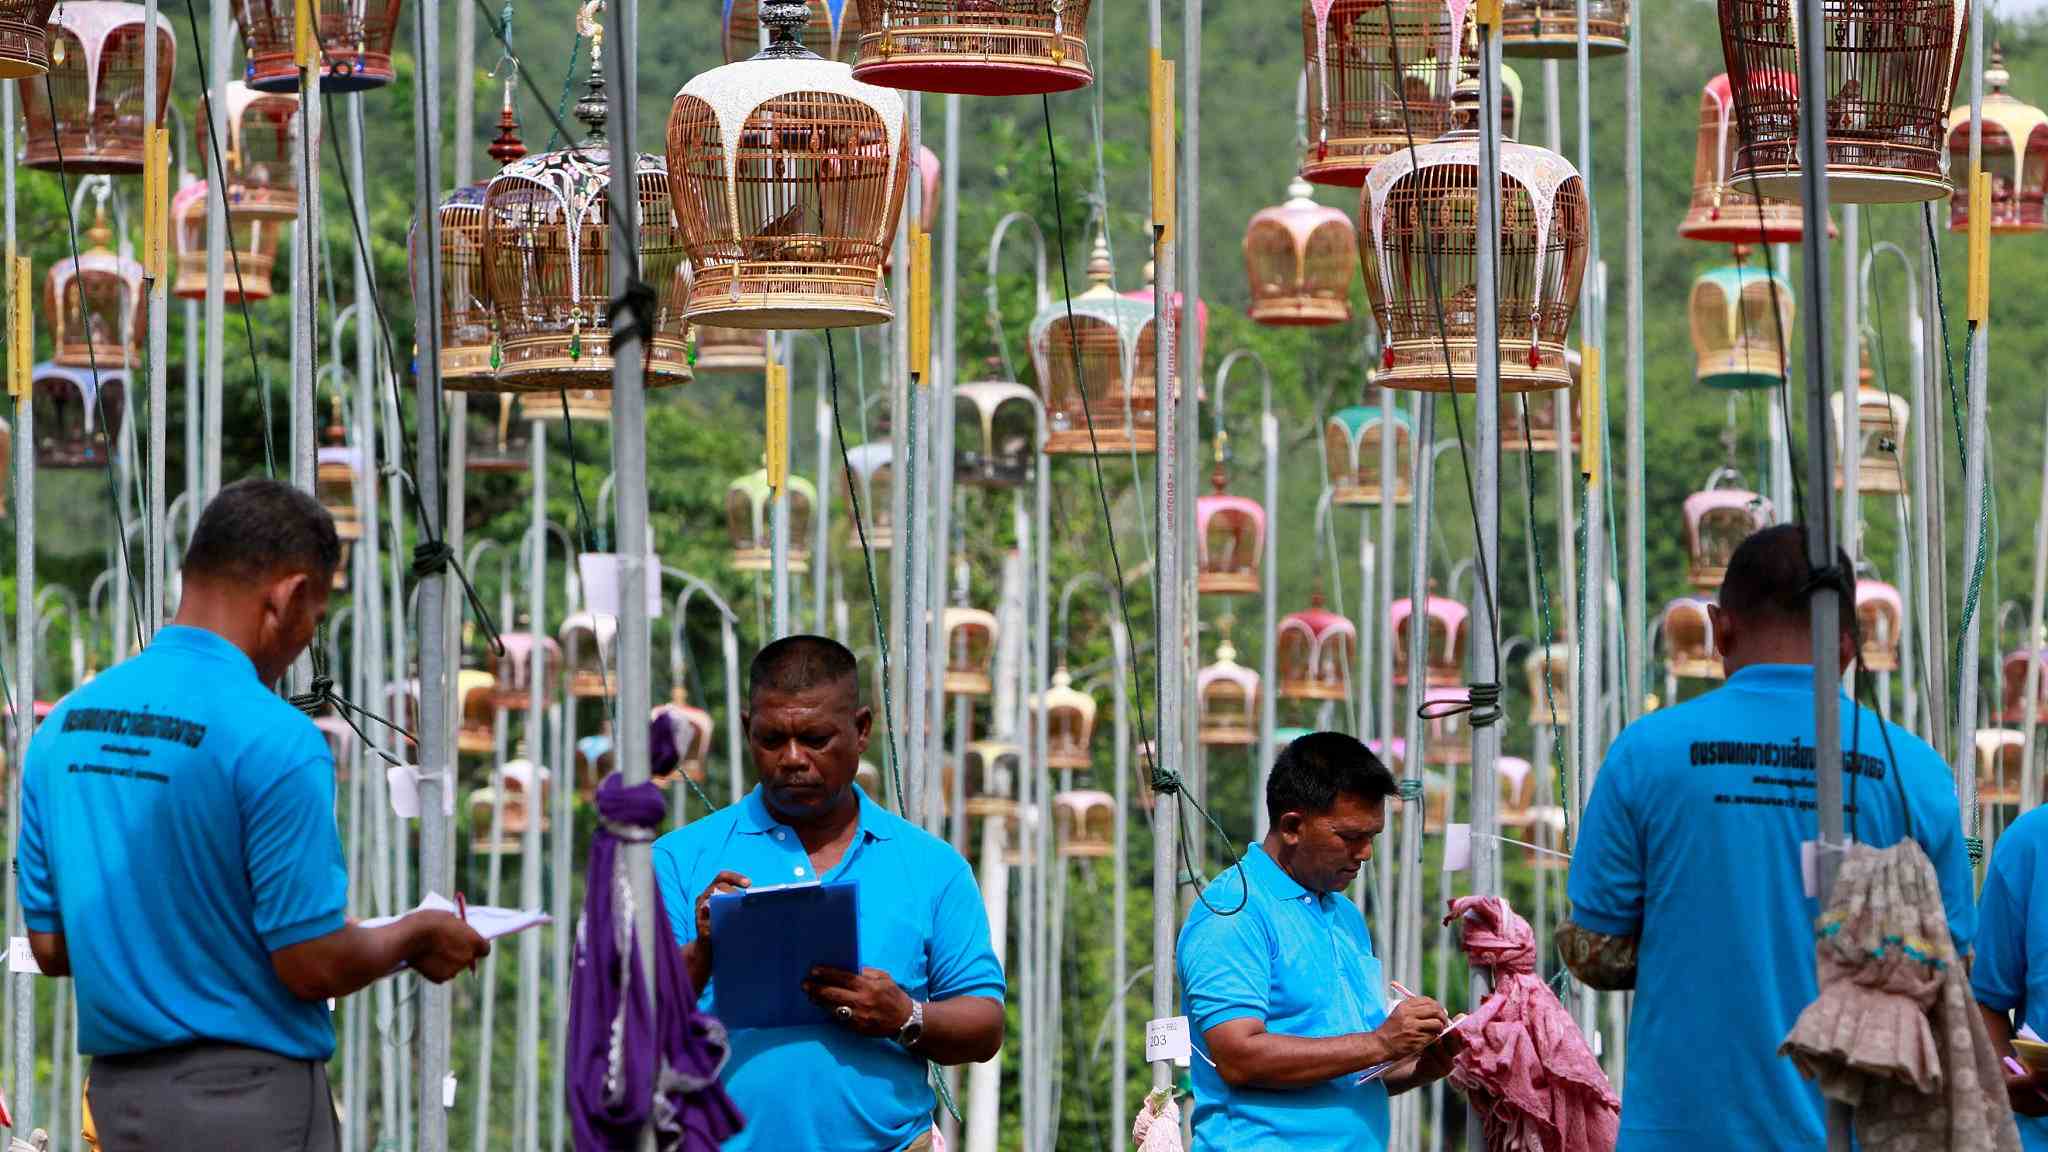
[913,1028]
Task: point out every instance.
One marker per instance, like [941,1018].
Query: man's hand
[446,946]
[1415,1022]
[1435,1062]
[876,1006]
[2028,1093]
[697,953]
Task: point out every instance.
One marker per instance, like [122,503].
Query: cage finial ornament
[95,302]
[975,47]
[2015,154]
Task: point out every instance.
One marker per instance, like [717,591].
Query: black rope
[436,558]
[638,304]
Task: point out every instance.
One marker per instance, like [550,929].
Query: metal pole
[1930,517]
[1039,742]
[457,420]
[220,54]
[527,1093]
[1851,432]
[778,505]
[1485,627]
[1269,580]
[1974,473]
[1635,614]
[1120,658]
[159,340]
[23,990]
[941,471]
[821,518]
[2031,643]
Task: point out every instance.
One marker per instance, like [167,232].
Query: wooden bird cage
[1538,433]
[1314,653]
[1447,628]
[1380,77]
[1550,28]
[1069,723]
[1178,304]
[1351,440]
[789,177]
[748,502]
[1449,735]
[335,472]
[496,428]
[355,43]
[476,729]
[835,37]
[85,116]
[2001,761]
[1227,702]
[515,811]
[1890,68]
[1723,211]
[1095,360]
[468,343]
[1299,257]
[546,251]
[1550,669]
[1230,540]
[739,350]
[1085,824]
[693,728]
[24,38]
[973,47]
[995,433]
[2015,154]
[512,673]
[593,762]
[1421,212]
[1881,419]
[1741,322]
[2013,679]
[584,404]
[970,637]
[1881,619]
[77,414]
[1516,780]
[94,302]
[993,769]
[261,156]
[587,643]
[1716,521]
[1689,641]
[251,250]
[874,475]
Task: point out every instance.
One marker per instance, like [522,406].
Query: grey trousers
[206,1097]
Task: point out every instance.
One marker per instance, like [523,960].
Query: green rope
[1546,628]
[568,86]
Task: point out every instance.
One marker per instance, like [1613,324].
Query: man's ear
[1289,826]
[863,728]
[285,592]
[1723,627]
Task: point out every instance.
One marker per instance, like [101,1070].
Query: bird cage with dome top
[512,672]
[1069,723]
[1300,257]
[77,414]
[95,303]
[1716,522]
[1741,319]
[975,47]
[1550,28]
[833,34]
[546,250]
[1724,211]
[1351,440]
[1084,823]
[260,158]
[577,404]
[691,728]
[24,38]
[1548,670]
[1421,260]
[2015,154]
[1226,701]
[1313,650]
[788,176]
[85,115]
[249,262]
[1881,421]
[1230,539]
[1178,305]
[1446,630]
[1889,70]
[1380,76]
[496,436]
[1880,623]
[1689,650]
[354,43]
[1094,355]
[995,422]
[970,640]
[748,502]
[1529,423]
[731,349]
[873,469]
[467,342]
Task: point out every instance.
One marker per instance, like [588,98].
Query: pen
[1403,993]
[462,910]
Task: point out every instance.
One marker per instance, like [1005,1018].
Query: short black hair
[1312,771]
[257,526]
[1769,579]
[800,663]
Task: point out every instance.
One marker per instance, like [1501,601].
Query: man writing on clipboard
[930,987]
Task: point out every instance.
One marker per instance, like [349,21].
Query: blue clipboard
[767,940]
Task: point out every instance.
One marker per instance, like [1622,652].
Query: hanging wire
[867,555]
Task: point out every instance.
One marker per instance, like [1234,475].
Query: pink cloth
[1525,1067]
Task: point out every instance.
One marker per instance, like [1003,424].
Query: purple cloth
[662,753]
[616,1090]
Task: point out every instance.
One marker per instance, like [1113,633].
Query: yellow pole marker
[920,306]
[305,37]
[156,163]
[1162,147]
[20,332]
[778,426]
[1488,14]
[1590,415]
[1980,247]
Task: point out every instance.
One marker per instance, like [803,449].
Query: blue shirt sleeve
[39,909]
[296,873]
[1226,970]
[961,959]
[1606,884]
[1998,976]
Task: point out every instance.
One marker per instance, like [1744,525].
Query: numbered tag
[21,958]
[1167,1039]
[448,1091]
[1809,873]
[1457,847]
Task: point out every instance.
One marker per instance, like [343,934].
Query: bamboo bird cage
[467,341]
[1230,539]
[1741,320]
[736,350]
[252,249]
[2014,677]
[24,38]
[995,424]
[512,673]
[1069,723]
[94,302]
[496,434]
[1550,28]
[970,640]
[1226,701]
[1689,649]
[1538,433]
[1447,627]
[1084,822]
[1314,650]
[77,414]
[1380,77]
[2015,154]
[1722,210]
[1716,521]
[1549,670]
[873,468]
[693,729]
[788,178]
[85,116]
[260,152]
[354,43]
[1881,421]
[748,501]
[1351,440]
[1300,257]
[1094,357]
[1881,620]
[587,639]
[974,47]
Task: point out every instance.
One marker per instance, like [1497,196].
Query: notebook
[767,940]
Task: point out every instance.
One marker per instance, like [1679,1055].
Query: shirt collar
[202,642]
[876,822]
[1270,877]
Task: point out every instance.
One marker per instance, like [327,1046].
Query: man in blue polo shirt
[1284,997]
[930,988]
[1686,881]
[2010,976]
[179,857]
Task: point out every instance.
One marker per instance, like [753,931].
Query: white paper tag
[1457,847]
[21,958]
[1807,873]
[1599,1044]
[448,1091]
[1167,1039]
[404,783]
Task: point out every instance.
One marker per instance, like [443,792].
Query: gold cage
[1084,821]
[1689,649]
[512,673]
[2013,681]
[77,414]
[2001,758]
[970,638]
[1881,420]
[476,711]
[514,810]
[2015,154]
[468,345]
[24,38]
[335,472]
[1380,73]
[1889,71]
[1421,212]
[1227,701]
[1351,440]
[1447,627]
[1550,28]
[788,178]
[1069,723]
[249,262]
[973,47]
[874,476]
[1549,670]
[261,157]
[587,642]
[995,428]
[1230,540]
[993,770]
[1095,360]
[85,116]
[1716,522]
[1741,317]
[835,37]
[95,304]
[1299,257]
[1722,211]
[355,43]
[748,501]
[1314,653]
[731,349]
[1881,618]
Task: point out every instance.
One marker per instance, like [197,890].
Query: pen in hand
[462,910]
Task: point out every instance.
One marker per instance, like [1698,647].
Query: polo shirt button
[799,871]
[778,834]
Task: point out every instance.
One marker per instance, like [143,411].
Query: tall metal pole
[457,403]
[2031,643]
[1635,610]
[941,435]
[629,459]
[527,1091]
[1269,580]
[1851,446]
[220,55]
[778,506]
[821,518]
[913,537]
[1414,801]
[159,341]
[1930,512]
[1120,658]
[1974,475]
[437,767]
[23,990]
